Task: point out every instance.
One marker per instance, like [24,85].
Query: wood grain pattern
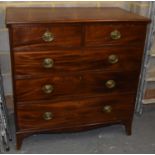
[67,85]
[80,52]
[74,113]
[18,15]
[31,64]
[98,34]
[31,35]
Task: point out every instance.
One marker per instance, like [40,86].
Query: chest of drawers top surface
[74,68]
[77,14]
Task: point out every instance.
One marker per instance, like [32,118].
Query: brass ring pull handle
[115,35]
[47,89]
[110,84]
[113,58]
[48,36]
[47,116]
[48,63]
[107,109]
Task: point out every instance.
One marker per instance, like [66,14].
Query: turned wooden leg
[128,127]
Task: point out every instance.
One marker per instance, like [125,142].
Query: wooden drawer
[33,37]
[67,85]
[50,62]
[99,34]
[55,115]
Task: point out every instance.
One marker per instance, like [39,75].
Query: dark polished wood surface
[87,47]
[76,14]
[77,112]
[98,34]
[30,64]
[64,35]
[79,84]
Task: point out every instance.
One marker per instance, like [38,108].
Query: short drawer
[34,37]
[114,34]
[79,84]
[36,64]
[72,113]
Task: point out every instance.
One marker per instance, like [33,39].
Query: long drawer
[67,85]
[72,113]
[55,61]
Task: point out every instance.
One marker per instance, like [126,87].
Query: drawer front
[114,34]
[34,37]
[65,114]
[67,85]
[112,59]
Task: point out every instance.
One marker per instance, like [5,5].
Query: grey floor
[111,139]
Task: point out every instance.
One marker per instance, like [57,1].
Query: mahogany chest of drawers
[74,68]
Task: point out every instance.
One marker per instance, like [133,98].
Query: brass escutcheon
[48,36]
[48,88]
[115,35]
[113,58]
[107,109]
[48,63]
[47,116]
[110,84]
